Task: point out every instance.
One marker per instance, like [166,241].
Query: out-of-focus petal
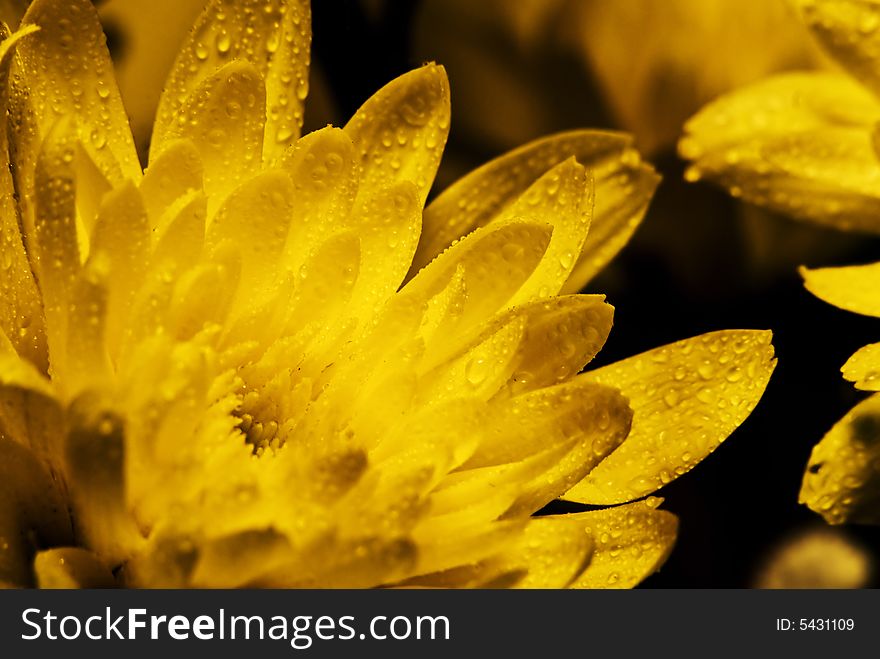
[29,412]
[799,143]
[71,567]
[631,542]
[658,62]
[399,132]
[274,36]
[95,458]
[850,31]
[821,557]
[863,368]
[66,69]
[842,479]
[33,512]
[687,398]
[853,287]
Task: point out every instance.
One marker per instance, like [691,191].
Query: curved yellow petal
[66,68]
[623,187]
[388,222]
[481,370]
[562,198]
[494,262]
[88,361]
[399,133]
[71,567]
[175,172]
[121,246]
[847,29]
[323,168]
[57,250]
[798,143]
[853,287]
[552,552]
[687,397]
[33,512]
[255,219]
[274,36]
[863,368]
[223,117]
[577,327]
[21,314]
[547,440]
[631,542]
[842,479]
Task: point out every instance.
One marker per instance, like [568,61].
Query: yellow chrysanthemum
[216,371]
[805,144]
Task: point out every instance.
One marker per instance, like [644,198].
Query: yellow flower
[805,144]
[216,369]
[655,63]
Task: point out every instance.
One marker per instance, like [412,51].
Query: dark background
[693,267]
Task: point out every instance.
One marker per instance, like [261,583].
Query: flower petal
[562,198]
[255,220]
[799,143]
[33,512]
[71,567]
[687,398]
[88,361]
[585,421]
[842,479]
[853,287]
[176,171]
[95,455]
[494,261]
[57,245]
[323,169]
[274,36]
[223,117]
[576,325]
[551,551]
[847,29]
[863,368]
[631,543]
[121,245]
[399,132]
[623,187]
[21,315]
[29,412]
[67,69]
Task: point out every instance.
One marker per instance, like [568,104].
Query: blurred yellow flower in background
[823,557]
[806,144]
[215,370]
[655,62]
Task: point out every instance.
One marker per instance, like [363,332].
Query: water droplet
[223,42]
